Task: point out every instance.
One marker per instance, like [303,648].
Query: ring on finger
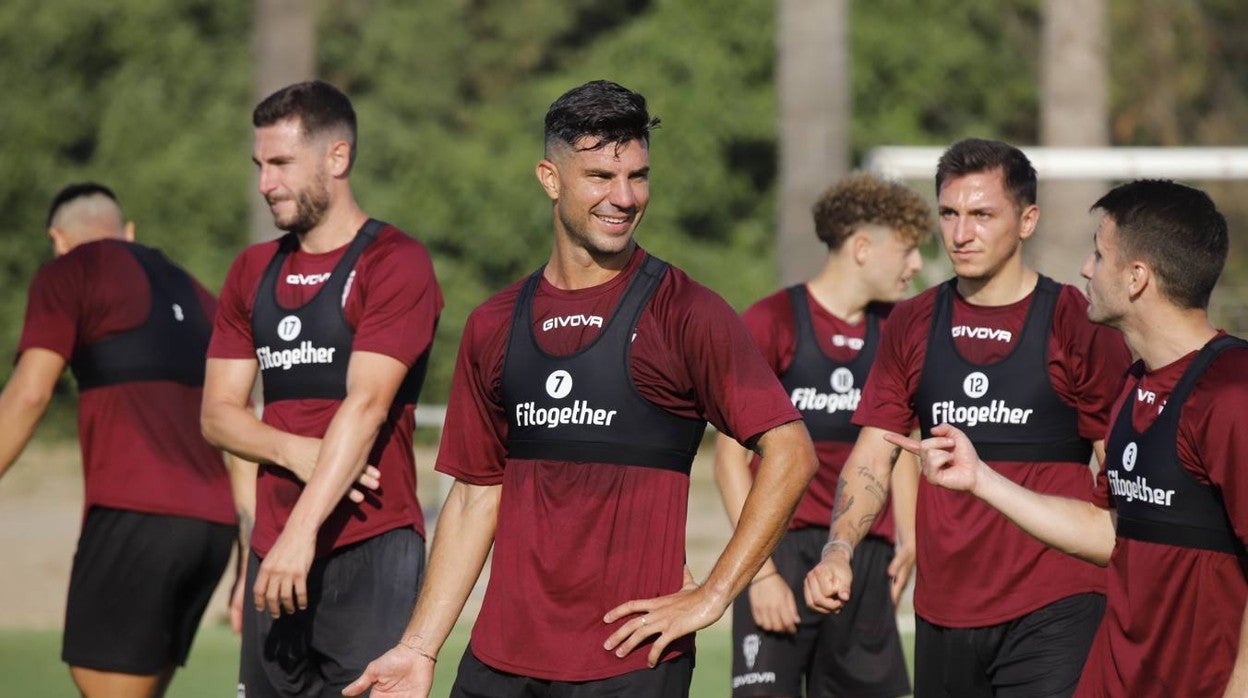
[643,620]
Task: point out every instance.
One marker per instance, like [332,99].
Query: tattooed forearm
[875,487]
[843,504]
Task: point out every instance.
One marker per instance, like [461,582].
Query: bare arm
[863,487]
[788,462]
[243,485]
[905,482]
[860,496]
[461,542]
[771,600]
[372,381]
[229,424]
[1073,526]
[732,476]
[24,400]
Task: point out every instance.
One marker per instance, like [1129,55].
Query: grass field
[40,512]
[30,664]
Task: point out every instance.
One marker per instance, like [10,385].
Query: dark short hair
[975,155]
[601,109]
[1176,229]
[78,190]
[865,199]
[319,106]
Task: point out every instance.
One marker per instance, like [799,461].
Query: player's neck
[572,267]
[1009,284]
[838,288]
[338,227]
[1166,333]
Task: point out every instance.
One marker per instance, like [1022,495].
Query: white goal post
[1054,163]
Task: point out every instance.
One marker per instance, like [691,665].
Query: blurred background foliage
[153,97]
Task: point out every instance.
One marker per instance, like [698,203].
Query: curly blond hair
[865,199]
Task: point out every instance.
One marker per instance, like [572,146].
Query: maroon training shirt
[975,567]
[574,540]
[771,322]
[142,449]
[392,304]
[1172,620]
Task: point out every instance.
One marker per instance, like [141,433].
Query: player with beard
[337,316]
[571,444]
[1170,513]
[1011,356]
[820,338]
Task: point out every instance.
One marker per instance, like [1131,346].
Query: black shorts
[856,652]
[360,599]
[138,588]
[1038,655]
[669,679]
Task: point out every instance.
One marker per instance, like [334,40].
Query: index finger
[905,442]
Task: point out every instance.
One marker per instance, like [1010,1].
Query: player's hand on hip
[282,581]
[400,673]
[899,570]
[827,583]
[773,605]
[947,458]
[665,618]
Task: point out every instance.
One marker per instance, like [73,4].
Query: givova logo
[855,343]
[177,313]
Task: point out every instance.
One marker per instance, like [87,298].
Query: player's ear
[1139,279]
[338,158]
[1029,220]
[127,232]
[860,246]
[61,242]
[548,176]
